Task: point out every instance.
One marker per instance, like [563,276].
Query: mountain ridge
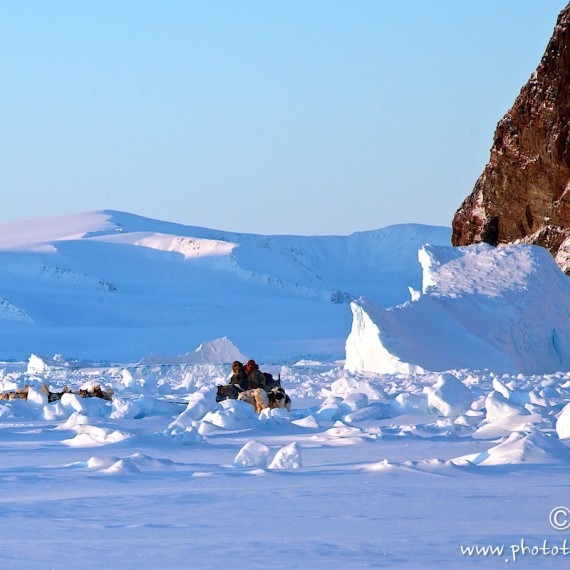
[114,285]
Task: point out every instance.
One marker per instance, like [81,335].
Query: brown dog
[258,398]
[94,392]
[97,392]
[53,396]
[20,394]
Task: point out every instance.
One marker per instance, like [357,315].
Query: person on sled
[255,376]
[239,376]
[239,383]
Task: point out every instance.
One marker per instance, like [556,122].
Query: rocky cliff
[524,191]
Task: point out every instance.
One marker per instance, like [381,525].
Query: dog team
[257,388]
[91,392]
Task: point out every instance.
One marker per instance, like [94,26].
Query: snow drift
[504,309]
[219,351]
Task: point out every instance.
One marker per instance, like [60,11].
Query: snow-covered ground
[367,470]
[452,450]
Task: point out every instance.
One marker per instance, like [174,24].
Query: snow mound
[42,364]
[91,436]
[91,407]
[563,423]
[449,397]
[188,247]
[503,417]
[125,409]
[231,415]
[252,454]
[347,386]
[37,398]
[505,309]
[534,448]
[306,422]
[288,457]
[375,411]
[199,404]
[135,463]
[498,407]
[219,351]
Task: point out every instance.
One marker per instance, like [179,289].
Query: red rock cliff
[524,191]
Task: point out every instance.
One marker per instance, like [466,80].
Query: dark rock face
[524,191]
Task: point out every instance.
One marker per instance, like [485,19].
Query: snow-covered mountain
[115,286]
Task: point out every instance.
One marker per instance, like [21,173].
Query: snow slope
[114,286]
[505,309]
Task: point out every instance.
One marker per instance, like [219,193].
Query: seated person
[239,376]
[255,376]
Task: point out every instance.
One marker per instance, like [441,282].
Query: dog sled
[274,396]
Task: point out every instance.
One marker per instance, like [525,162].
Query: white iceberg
[504,309]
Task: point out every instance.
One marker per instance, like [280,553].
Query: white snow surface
[505,309]
[393,470]
[116,287]
[445,429]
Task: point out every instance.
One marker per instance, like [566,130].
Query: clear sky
[295,117]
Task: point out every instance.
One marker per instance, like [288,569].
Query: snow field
[367,470]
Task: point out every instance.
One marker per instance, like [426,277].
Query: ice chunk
[288,457]
[449,397]
[306,422]
[252,454]
[563,422]
[199,404]
[498,407]
[503,309]
[123,408]
[532,448]
[90,436]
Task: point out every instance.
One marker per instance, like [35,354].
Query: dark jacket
[240,379]
[256,379]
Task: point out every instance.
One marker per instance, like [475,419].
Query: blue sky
[295,117]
